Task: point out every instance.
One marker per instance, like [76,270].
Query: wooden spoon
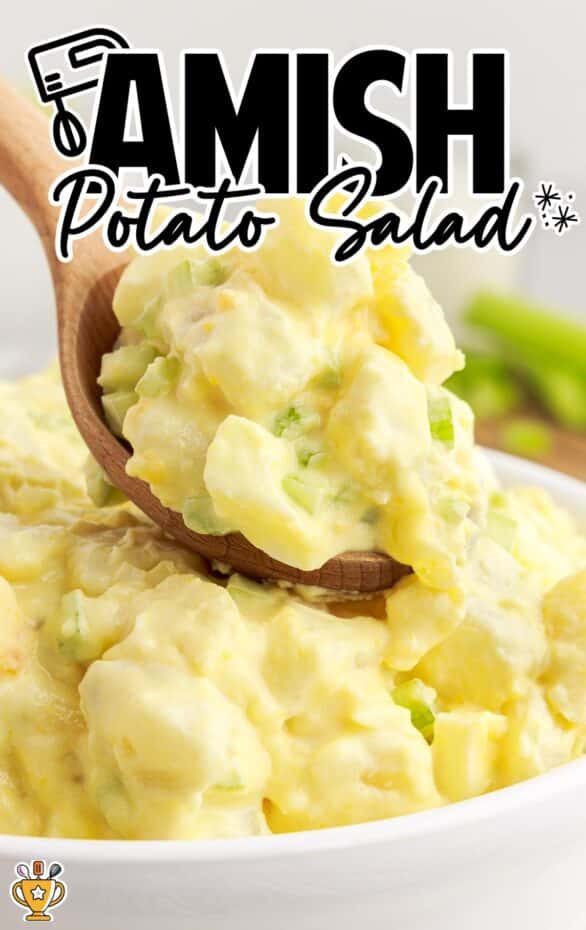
[88,328]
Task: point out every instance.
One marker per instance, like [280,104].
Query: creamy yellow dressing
[297,401]
[141,698]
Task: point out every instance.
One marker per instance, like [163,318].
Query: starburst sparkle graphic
[557,210]
[562,218]
[546,196]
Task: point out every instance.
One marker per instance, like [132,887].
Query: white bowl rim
[417,826]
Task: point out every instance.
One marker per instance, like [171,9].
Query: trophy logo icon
[37,889]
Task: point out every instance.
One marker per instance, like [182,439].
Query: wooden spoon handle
[28,167]
[28,162]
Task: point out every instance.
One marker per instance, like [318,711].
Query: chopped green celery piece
[524,325]
[72,641]
[453,509]
[294,421]
[260,600]
[238,584]
[212,272]
[501,528]
[306,495]
[203,272]
[159,377]
[414,696]
[123,367]
[290,418]
[307,457]
[232,783]
[347,494]
[530,438]
[116,406]
[330,376]
[441,422]
[180,278]
[100,491]
[371,515]
[200,516]
[148,320]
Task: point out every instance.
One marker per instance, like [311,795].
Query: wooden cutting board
[568,452]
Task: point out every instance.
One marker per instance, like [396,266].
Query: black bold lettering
[352,82]
[155,151]
[262,117]
[313,119]
[437,119]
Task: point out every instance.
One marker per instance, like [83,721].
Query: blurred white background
[548,108]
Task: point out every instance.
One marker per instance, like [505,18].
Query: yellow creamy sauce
[140,698]
[297,401]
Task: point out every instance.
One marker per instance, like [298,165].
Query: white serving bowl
[511,860]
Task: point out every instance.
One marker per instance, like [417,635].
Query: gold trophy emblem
[38,893]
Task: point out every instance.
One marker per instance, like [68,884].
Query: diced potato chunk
[169,446]
[419,618]
[390,406]
[416,327]
[293,263]
[258,356]
[489,657]
[465,752]
[536,739]
[244,473]
[564,614]
[180,737]
[142,281]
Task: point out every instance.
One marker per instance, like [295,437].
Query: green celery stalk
[560,389]
[526,325]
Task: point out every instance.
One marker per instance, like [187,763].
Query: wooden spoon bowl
[84,289]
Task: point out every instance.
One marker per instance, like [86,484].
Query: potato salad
[144,697]
[297,401]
